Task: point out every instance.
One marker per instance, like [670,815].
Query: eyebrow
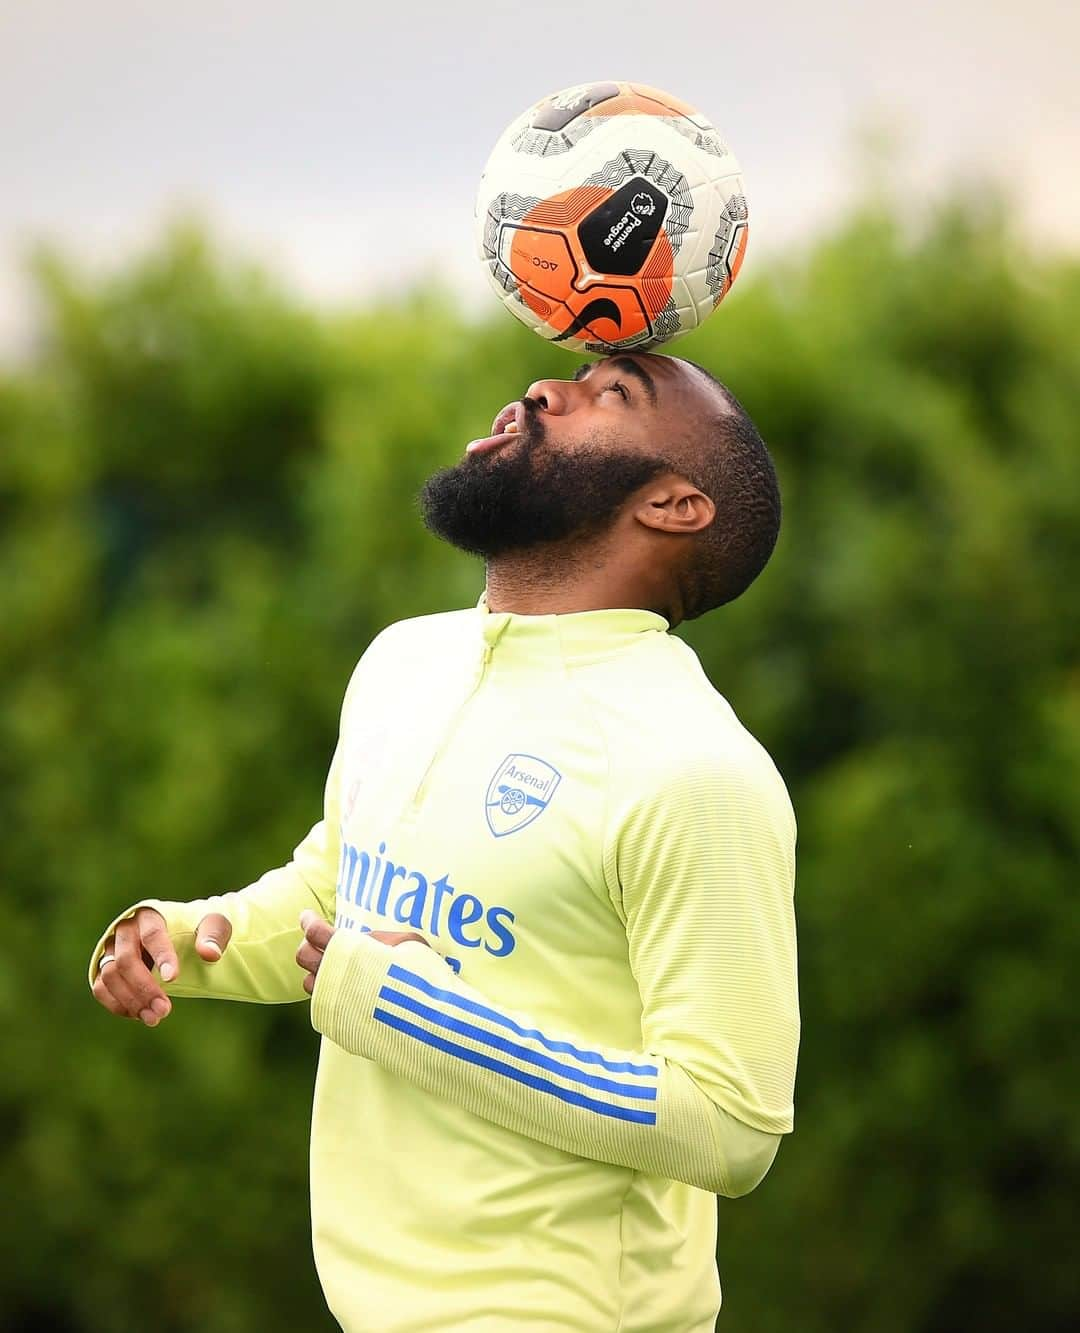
[628,366]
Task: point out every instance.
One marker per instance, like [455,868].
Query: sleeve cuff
[350,976]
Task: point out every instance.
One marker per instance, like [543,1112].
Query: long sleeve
[259,964]
[702,879]
[702,872]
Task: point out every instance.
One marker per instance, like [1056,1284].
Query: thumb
[212,937]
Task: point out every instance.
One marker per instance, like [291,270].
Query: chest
[473,811]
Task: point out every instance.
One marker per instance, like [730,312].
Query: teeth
[511,428]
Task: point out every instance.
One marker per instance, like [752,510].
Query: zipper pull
[494,624]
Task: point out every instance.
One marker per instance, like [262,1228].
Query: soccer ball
[611,216]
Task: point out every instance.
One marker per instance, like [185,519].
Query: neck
[559,580]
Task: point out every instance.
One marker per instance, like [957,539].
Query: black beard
[525,494]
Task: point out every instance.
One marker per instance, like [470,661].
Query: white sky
[342,141]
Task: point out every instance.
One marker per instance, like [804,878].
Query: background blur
[240,323]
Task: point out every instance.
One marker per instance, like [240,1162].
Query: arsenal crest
[520,792]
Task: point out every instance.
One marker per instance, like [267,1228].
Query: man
[558,1001]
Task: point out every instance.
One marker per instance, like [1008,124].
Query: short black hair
[733,467]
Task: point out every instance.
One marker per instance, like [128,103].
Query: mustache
[531,436]
[534,427]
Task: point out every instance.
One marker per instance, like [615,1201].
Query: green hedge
[206,510]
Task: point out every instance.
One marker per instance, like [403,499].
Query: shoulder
[413,645]
[674,740]
[419,632]
[419,636]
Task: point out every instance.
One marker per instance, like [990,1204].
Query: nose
[554,396]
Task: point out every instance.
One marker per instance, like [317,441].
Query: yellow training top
[524,1126]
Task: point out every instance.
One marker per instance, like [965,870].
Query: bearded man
[558,999]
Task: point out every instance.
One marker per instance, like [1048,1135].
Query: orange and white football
[611,216]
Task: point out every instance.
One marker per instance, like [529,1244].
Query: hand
[126,986]
[318,934]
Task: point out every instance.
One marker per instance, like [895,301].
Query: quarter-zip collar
[572,638]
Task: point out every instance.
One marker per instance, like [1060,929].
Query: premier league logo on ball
[520,792]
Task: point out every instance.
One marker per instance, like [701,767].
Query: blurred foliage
[206,511]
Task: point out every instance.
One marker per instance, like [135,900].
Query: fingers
[308,957]
[104,997]
[128,980]
[122,997]
[317,935]
[113,991]
[212,936]
[156,942]
[317,931]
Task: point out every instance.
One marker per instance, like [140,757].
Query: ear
[672,504]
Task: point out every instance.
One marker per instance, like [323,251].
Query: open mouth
[509,423]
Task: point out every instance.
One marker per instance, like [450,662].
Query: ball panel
[609,314]
[657,171]
[728,248]
[619,233]
[564,210]
[666,100]
[638,99]
[544,143]
[657,277]
[540,260]
[504,206]
[557,111]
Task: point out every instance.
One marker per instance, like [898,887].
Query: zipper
[451,731]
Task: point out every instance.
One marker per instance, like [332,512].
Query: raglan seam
[692,668]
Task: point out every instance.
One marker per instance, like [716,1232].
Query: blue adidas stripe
[509,1071]
[463,1029]
[493,1016]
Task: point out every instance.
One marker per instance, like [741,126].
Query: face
[562,462]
